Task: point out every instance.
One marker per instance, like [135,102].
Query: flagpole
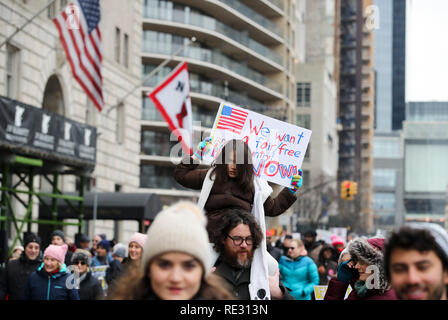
[26,23]
[152,73]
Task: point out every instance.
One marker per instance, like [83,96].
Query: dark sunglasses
[78,262]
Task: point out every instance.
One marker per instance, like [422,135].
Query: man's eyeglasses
[237,241]
[289,248]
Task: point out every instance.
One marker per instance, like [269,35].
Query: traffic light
[347,188]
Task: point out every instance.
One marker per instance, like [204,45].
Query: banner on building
[29,130]
[277,147]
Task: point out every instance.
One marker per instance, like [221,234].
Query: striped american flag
[232,119]
[79,31]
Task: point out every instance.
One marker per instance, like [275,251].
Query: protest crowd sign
[277,147]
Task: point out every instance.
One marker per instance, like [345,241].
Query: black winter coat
[16,275]
[90,288]
[43,286]
[238,280]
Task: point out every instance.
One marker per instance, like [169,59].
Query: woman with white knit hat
[176,260]
[119,268]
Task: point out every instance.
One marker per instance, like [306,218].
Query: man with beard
[416,262]
[17,272]
[238,237]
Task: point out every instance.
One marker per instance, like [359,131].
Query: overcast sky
[427,50]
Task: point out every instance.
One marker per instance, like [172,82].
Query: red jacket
[337,290]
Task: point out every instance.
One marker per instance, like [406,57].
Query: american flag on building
[79,31]
[232,119]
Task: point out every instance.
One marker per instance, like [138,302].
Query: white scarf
[259,281]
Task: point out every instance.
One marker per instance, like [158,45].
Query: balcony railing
[151,113]
[254,16]
[209,23]
[277,3]
[211,56]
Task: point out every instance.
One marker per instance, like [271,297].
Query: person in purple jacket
[364,272]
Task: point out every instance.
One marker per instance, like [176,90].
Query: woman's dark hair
[242,156]
[334,254]
[412,239]
[136,285]
[231,219]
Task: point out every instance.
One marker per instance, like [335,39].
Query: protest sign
[341,232]
[277,147]
[320,291]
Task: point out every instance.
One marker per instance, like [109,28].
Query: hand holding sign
[204,144]
[277,147]
[296,182]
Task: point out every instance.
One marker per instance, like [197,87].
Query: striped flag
[232,119]
[79,31]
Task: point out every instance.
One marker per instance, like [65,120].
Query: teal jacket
[300,276]
[43,286]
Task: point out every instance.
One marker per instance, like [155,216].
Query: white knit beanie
[179,228]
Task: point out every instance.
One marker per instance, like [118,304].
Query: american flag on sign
[79,31]
[232,119]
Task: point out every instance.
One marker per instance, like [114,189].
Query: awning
[110,206]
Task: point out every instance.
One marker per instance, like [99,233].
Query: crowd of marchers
[174,261]
[220,249]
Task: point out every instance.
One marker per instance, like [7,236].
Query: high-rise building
[390,48]
[426,149]
[316,109]
[243,54]
[356,106]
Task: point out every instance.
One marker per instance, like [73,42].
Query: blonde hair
[298,242]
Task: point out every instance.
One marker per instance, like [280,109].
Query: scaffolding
[40,146]
[26,170]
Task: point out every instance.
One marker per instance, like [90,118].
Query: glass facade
[383,201]
[384,178]
[390,63]
[387,148]
[427,111]
[399,64]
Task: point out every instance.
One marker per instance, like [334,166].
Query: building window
[117,44]
[383,201]
[126,50]
[158,177]
[157,143]
[12,71]
[306,178]
[120,124]
[384,178]
[308,153]
[303,120]
[304,94]
[51,10]
[91,113]
[386,148]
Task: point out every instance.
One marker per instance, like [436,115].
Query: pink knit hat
[139,238]
[336,240]
[56,252]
